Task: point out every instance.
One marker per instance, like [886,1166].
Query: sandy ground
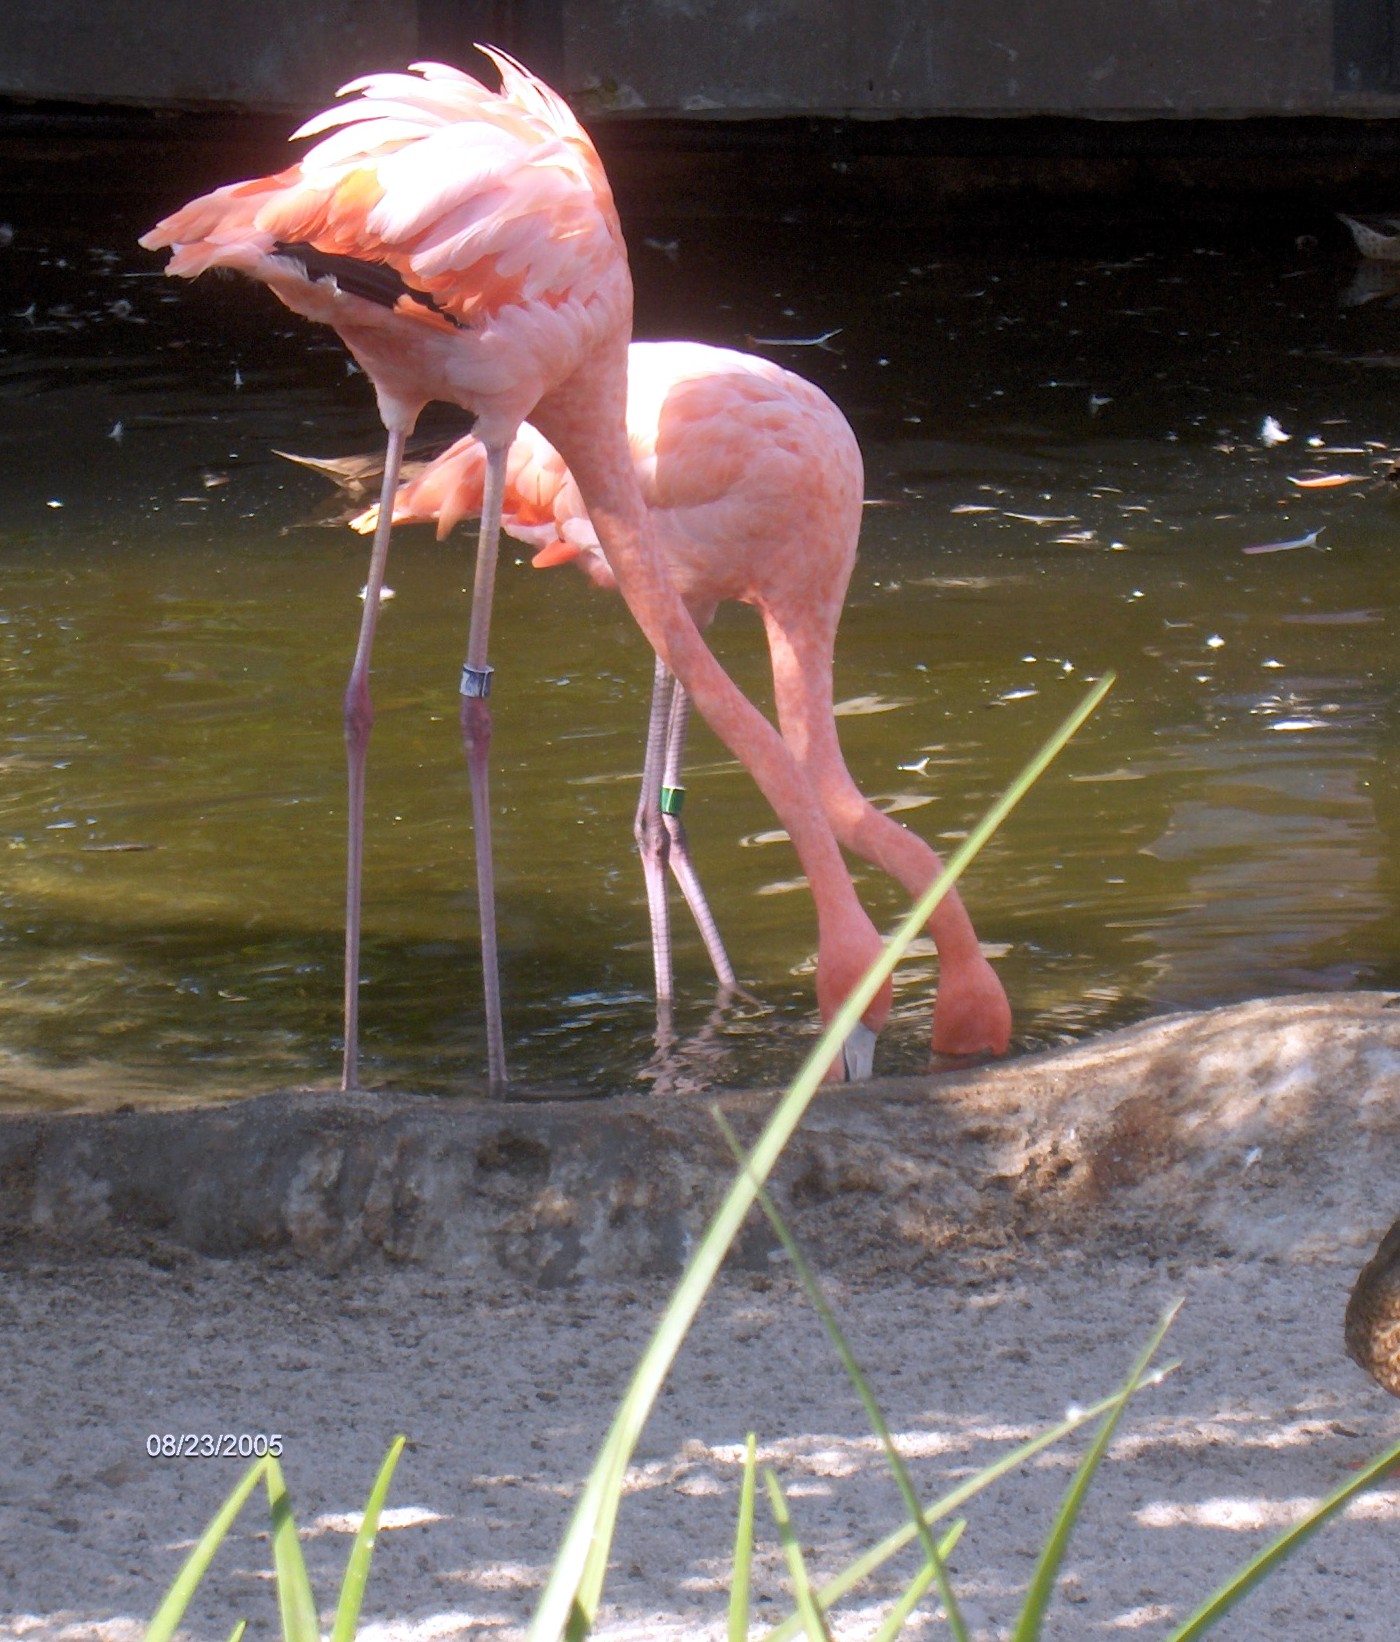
[1244,1160]
[504,1397]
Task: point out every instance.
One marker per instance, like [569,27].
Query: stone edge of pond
[1269,1128]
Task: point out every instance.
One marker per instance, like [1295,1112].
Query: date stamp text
[212,1445]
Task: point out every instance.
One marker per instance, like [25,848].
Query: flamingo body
[754,486]
[752,478]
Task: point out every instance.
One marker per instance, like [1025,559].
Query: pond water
[1068,459]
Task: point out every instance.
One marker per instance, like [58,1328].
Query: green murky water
[1066,446]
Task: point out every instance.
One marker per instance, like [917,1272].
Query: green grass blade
[898,1616]
[236,1634]
[873,1412]
[295,1601]
[866,1564]
[193,1569]
[569,1602]
[352,1587]
[1047,1567]
[1216,1606]
[743,1546]
[807,1605]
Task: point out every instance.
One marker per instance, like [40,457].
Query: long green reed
[933,1561]
[807,1606]
[296,1602]
[570,1601]
[740,1579]
[1047,1567]
[1259,1567]
[893,1543]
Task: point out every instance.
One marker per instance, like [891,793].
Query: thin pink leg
[972,1013]
[359,719]
[682,863]
[476,737]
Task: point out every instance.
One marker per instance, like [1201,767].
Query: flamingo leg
[858,1051]
[654,839]
[476,738]
[971,1014]
[682,863]
[662,842]
[359,720]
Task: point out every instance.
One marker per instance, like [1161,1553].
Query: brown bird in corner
[1372,1327]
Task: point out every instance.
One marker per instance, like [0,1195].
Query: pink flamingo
[754,484]
[464,245]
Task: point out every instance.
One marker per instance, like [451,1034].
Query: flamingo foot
[971,1014]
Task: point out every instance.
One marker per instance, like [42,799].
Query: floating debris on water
[822,341]
[863,706]
[1310,540]
[1333,618]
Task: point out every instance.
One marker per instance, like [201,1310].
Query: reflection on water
[1067,453]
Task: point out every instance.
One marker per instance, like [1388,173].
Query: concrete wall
[981,57]
[1103,58]
[273,54]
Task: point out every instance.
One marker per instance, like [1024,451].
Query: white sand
[505,1396]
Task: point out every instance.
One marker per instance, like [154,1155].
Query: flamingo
[753,483]
[464,245]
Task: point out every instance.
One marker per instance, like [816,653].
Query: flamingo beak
[858,1053]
